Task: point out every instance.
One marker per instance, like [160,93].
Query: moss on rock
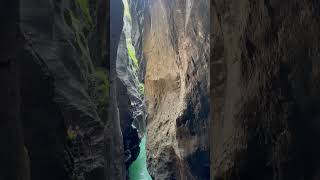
[84,6]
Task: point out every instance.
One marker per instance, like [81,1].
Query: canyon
[159,89]
[96,87]
[176,47]
[173,67]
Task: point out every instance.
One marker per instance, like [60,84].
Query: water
[138,169]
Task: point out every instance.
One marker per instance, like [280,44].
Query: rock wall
[137,11]
[64,87]
[130,87]
[60,109]
[265,84]
[114,136]
[14,160]
[176,48]
[131,138]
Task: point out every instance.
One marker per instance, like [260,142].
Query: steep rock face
[64,89]
[265,84]
[176,47]
[130,134]
[138,12]
[14,162]
[114,137]
[130,98]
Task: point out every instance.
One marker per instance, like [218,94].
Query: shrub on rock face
[99,87]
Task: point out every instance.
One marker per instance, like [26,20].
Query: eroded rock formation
[63,87]
[265,84]
[176,48]
[60,119]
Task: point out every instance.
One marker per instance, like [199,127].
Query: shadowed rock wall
[265,84]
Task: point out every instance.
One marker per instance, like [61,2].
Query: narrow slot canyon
[105,89]
[160,52]
[159,89]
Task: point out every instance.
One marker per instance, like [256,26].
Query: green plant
[71,134]
[102,85]
[81,43]
[141,88]
[132,55]
[134,66]
[84,6]
[127,10]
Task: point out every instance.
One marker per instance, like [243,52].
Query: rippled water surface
[138,169]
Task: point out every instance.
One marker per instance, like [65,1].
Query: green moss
[141,88]
[127,10]
[102,85]
[75,22]
[130,47]
[132,55]
[71,134]
[131,50]
[84,6]
[81,44]
[101,74]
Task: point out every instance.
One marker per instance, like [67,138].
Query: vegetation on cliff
[131,49]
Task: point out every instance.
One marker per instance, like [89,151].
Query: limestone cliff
[176,48]
[265,84]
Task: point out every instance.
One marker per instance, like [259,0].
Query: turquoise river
[138,169]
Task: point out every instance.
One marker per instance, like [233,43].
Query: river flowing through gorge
[121,89]
[128,70]
[105,89]
[138,169]
[162,63]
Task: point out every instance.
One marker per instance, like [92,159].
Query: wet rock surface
[265,79]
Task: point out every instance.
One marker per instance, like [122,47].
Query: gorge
[99,89]
[166,77]
[159,89]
